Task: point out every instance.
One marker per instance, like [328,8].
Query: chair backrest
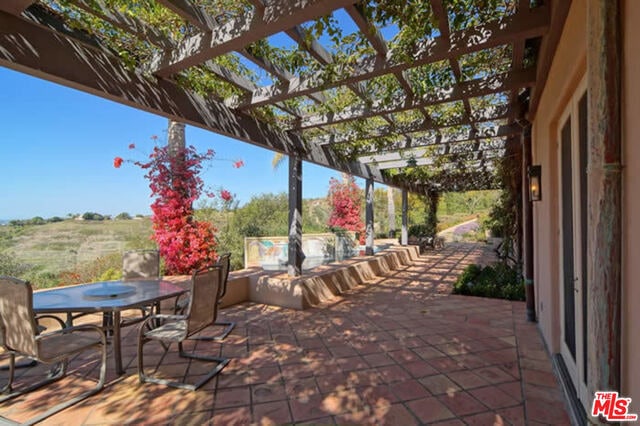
[18,328]
[138,264]
[205,294]
[224,261]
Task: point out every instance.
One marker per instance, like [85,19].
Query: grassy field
[60,246]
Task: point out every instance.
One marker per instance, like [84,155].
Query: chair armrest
[53,317]
[162,317]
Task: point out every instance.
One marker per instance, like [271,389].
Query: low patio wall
[324,284]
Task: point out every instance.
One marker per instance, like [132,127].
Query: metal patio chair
[20,336]
[224,262]
[201,313]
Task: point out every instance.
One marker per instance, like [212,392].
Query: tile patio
[400,350]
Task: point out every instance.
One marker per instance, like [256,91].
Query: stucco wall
[631,204]
[567,69]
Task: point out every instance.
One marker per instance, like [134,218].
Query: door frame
[575,367]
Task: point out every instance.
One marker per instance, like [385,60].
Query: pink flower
[132,146]
[226,195]
[117,162]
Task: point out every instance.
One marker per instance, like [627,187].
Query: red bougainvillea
[184,243]
[345,199]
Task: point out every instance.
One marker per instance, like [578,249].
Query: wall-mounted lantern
[535,189]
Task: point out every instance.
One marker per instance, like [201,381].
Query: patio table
[110,297]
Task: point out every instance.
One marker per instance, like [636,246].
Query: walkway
[399,351]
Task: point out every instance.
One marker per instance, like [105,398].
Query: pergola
[425,95]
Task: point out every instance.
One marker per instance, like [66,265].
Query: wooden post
[404,239]
[391,209]
[296,256]
[369,216]
[527,221]
[604,56]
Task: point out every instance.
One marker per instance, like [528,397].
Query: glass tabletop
[104,296]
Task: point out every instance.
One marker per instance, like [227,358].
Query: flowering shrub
[345,199]
[184,243]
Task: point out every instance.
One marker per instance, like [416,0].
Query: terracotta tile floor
[399,351]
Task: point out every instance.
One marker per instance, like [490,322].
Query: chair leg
[144,378]
[58,374]
[12,369]
[229,326]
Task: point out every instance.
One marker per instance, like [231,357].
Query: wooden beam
[32,49]
[428,161]
[191,13]
[422,150]
[520,26]
[472,88]
[559,11]
[416,126]
[280,73]
[15,7]
[278,15]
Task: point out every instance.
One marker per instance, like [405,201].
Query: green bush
[498,281]
[421,230]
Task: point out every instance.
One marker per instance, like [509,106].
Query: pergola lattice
[431,106]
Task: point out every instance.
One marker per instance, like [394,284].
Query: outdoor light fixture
[535,190]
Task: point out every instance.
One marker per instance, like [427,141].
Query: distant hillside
[54,247]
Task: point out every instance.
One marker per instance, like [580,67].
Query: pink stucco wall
[567,69]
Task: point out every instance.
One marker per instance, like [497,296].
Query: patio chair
[137,265]
[140,264]
[224,262]
[19,336]
[202,311]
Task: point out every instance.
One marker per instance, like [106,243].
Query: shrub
[421,230]
[497,281]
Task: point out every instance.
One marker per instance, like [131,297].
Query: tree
[123,216]
[345,199]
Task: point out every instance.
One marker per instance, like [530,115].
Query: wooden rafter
[472,88]
[278,15]
[431,161]
[520,26]
[16,7]
[490,115]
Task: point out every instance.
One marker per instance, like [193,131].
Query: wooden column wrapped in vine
[604,56]
[404,238]
[296,257]
[369,217]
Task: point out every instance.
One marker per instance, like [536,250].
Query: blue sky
[57,147]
